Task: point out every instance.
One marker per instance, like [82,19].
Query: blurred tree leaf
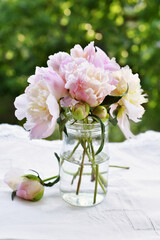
[128,30]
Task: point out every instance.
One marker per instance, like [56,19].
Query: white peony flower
[130,104]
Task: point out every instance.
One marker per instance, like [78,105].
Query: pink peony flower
[87,83]
[39,102]
[26,188]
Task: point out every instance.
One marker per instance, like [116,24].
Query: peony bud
[28,187]
[101,112]
[80,111]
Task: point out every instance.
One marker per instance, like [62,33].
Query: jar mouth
[80,125]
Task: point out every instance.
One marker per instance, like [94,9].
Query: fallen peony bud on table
[28,187]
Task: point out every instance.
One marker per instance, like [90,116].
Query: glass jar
[84,166]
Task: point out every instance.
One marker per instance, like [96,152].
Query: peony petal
[13,177]
[56,60]
[77,51]
[55,83]
[53,106]
[89,52]
[108,64]
[123,123]
[20,103]
[42,130]
[134,112]
[46,128]
[112,66]
[102,54]
[68,102]
[22,194]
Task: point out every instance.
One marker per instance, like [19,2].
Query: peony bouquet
[80,82]
[85,86]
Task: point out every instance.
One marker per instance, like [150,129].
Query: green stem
[75,175]
[93,154]
[88,146]
[74,149]
[99,180]
[96,184]
[103,180]
[47,179]
[71,153]
[118,166]
[81,169]
[97,173]
[100,183]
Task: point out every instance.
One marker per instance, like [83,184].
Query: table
[131,209]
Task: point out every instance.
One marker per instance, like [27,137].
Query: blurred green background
[128,30]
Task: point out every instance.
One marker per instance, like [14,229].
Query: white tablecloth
[131,209]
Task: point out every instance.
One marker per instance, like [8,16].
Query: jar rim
[85,126]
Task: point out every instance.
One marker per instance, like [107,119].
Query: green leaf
[13,195]
[113,99]
[58,158]
[50,184]
[113,120]
[61,122]
[110,100]
[65,130]
[102,133]
[32,177]
[35,172]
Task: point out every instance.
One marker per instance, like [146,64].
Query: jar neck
[82,125]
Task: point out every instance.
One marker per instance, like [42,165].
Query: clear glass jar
[84,172]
